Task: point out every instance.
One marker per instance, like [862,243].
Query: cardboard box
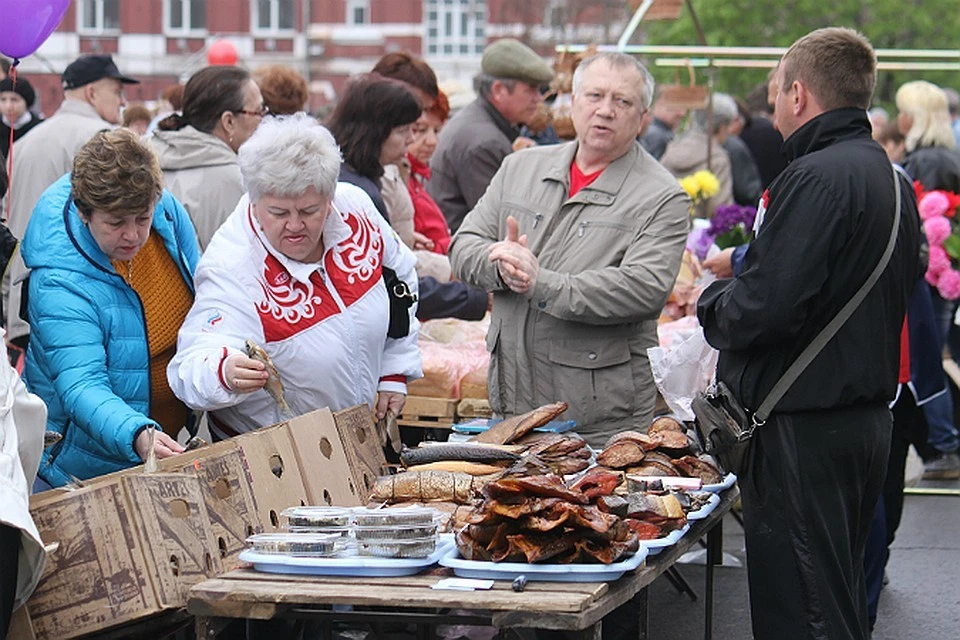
[361,443]
[228,493]
[322,459]
[125,548]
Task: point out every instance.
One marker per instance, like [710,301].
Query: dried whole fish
[516,427]
[274,386]
[51,437]
[459,466]
[455,451]
[447,486]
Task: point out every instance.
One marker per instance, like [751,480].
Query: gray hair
[724,112]
[483,83]
[287,155]
[618,61]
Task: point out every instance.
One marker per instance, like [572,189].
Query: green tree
[889,24]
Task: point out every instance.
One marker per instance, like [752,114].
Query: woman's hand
[390,401]
[422,242]
[163,445]
[243,374]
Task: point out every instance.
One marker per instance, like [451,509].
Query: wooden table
[566,606]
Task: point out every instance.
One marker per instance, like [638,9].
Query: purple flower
[728,217]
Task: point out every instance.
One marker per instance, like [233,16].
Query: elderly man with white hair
[299,269]
[695,150]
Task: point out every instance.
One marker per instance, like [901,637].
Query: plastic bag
[683,365]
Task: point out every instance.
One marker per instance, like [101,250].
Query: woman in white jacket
[297,268]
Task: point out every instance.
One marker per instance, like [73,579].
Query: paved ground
[921,602]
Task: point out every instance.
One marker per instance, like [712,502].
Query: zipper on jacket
[583,226]
[184,270]
[536,219]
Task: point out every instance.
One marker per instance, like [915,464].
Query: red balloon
[222,52]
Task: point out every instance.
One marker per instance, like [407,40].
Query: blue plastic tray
[656,546]
[542,572]
[728,481]
[706,509]
[479,425]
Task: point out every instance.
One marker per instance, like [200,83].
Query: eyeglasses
[259,113]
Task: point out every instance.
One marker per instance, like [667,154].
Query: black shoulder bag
[726,427]
[401,299]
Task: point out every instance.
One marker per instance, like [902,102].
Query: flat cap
[511,59]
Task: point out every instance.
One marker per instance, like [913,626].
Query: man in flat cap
[92,99]
[476,140]
[580,244]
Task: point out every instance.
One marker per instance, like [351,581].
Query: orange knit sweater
[166,300]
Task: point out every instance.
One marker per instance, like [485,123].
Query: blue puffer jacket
[88,356]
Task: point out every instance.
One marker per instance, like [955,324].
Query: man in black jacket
[817,466]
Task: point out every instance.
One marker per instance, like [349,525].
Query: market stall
[580,607]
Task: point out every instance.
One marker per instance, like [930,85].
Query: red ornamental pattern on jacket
[353,266]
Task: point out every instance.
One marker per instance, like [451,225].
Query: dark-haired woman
[222,107]
[373,124]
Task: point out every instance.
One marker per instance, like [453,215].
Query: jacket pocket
[495,373]
[595,377]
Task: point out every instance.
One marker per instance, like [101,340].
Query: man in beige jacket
[92,100]
[580,245]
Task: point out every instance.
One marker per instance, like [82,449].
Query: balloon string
[13,79]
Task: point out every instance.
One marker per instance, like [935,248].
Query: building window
[455,27]
[185,16]
[274,15]
[358,12]
[99,16]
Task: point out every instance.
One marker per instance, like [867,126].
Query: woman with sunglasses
[222,107]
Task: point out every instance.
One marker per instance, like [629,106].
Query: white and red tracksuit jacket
[324,324]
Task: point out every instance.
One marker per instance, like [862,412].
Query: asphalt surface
[921,601]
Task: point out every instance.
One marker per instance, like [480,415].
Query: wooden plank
[237,598]
[474,408]
[429,407]
[593,589]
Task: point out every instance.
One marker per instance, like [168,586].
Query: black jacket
[935,168]
[827,222]
[765,145]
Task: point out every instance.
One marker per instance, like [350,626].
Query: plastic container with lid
[394,516]
[314,545]
[396,532]
[406,548]
[335,531]
[317,516]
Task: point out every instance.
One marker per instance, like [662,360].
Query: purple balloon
[27,25]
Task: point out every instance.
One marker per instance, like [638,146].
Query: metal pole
[632,26]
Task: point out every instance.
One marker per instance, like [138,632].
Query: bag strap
[813,349]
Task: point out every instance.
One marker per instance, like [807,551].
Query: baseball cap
[87,69]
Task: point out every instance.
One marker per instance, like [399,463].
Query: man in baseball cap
[474,143]
[92,100]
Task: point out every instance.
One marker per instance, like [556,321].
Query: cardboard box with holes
[130,545]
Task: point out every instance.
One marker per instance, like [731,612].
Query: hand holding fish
[163,445]
[244,374]
[388,400]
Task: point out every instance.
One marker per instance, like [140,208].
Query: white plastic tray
[656,546]
[728,481]
[541,572]
[347,566]
[706,509]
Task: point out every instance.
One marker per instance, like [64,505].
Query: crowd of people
[159,251]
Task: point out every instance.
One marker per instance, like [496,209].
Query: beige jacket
[608,260]
[688,154]
[202,172]
[39,159]
[23,418]
[396,195]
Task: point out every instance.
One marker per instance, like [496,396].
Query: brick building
[162,42]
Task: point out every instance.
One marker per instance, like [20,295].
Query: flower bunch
[700,186]
[730,226]
[938,211]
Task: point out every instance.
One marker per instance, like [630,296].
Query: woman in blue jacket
[112,257]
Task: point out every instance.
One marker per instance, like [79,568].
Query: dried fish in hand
[274,386]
